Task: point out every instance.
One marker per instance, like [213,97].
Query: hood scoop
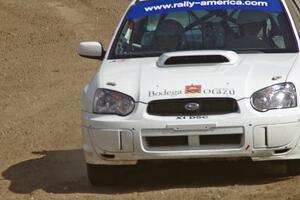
[192,58]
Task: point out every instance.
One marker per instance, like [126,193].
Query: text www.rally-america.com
[191,4]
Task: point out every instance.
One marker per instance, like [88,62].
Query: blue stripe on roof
[152,7]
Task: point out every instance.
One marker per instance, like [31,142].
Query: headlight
[112,102]
[275,97]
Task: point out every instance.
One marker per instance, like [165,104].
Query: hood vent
[192,58]
[185,60]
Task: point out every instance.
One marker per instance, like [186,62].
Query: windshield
[159,29]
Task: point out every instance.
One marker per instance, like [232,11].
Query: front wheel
[101,175]
[293,167]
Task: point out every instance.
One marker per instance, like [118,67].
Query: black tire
[101,175]
[293,167]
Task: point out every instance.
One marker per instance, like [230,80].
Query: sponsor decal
[146,8]
[194,90]
[220,91]
[192,117]
[165,92]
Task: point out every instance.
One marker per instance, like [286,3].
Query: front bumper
[114,140]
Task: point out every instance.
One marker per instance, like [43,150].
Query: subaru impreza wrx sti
[192,79]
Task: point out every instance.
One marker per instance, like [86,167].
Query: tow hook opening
[281,151]
[108,156]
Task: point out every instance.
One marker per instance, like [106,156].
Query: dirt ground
[41,81]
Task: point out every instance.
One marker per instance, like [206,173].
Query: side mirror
[92,50]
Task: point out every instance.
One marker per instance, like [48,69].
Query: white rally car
[191,79]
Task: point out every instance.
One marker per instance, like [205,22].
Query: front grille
[207,106]
[221,139]
[167,141]
[188,142]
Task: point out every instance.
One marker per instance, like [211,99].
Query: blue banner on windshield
[152,7]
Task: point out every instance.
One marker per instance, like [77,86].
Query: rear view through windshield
[152,28]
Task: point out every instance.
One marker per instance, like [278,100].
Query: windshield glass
[154,27]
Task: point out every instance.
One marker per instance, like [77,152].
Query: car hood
[143,80]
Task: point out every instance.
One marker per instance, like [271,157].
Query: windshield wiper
[247,51]
[143,54]
[263,50]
